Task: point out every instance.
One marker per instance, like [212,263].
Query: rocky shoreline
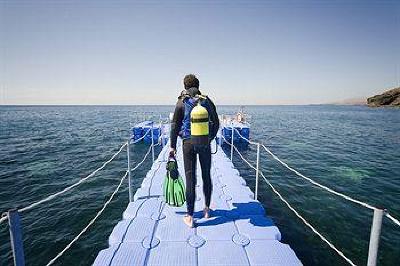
[388,98]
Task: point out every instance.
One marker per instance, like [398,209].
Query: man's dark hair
[191,81]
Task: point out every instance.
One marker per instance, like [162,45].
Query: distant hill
[388,98]
[355,101]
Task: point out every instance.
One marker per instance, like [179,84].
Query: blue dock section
[238,233]
[238,128]
[143,129]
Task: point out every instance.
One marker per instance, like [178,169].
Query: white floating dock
[238,233]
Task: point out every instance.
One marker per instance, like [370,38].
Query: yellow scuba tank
[199,130]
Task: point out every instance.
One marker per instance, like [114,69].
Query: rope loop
[101,210]
[324,239]
[50,197]
[364,204]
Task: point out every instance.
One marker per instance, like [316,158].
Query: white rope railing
[305,177]
[364,204]
[241,136]
[101,210]
[144,158]
[90,223]
[33,205]
[142,137]
[340,253]
[394,220]
[241,156]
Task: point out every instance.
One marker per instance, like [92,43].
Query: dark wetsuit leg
[190,161]
[205,163]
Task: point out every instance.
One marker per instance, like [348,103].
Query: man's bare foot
[206,212]
[188,220]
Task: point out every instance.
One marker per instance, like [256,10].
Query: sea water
[352,149]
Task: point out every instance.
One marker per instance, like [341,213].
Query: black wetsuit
[190,157]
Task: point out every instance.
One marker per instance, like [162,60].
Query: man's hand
[172,152]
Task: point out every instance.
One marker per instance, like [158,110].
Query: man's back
[181,126]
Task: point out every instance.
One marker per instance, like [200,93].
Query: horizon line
[174,104]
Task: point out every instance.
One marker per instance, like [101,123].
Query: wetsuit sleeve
[216,114]
[214,119]
[176,123]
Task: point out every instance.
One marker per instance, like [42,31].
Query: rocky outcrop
[388,98]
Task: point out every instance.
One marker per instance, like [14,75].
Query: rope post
[162,134]
[374,238]
[232,143]
[128,148]
[14,222]
[152,140]
[257,171]
[219,138]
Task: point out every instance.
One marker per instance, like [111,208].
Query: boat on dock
[238,233]
[236,127]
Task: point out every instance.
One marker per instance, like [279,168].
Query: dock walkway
[238,233]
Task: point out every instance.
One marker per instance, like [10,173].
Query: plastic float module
[238,233]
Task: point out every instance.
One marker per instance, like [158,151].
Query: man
[180,126]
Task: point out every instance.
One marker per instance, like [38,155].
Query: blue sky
[257,52]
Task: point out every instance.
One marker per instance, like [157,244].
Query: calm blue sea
[352,149]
